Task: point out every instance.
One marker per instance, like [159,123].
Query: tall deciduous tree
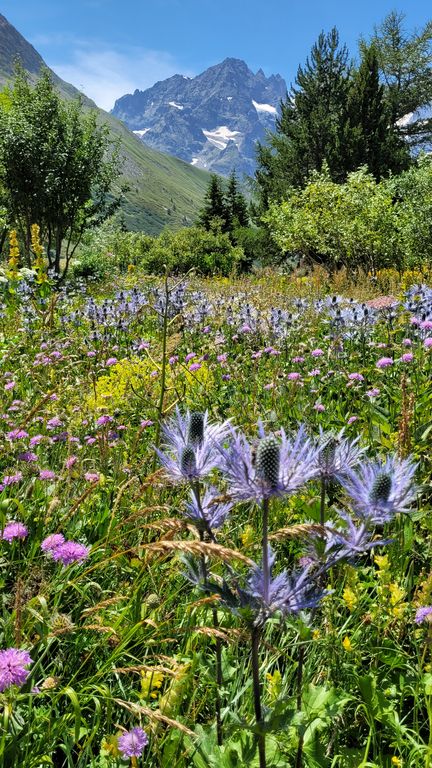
[57,166]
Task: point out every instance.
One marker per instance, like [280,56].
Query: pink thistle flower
[71,461]
[384,362]
[92,477]
[47,474]
[51,542]
[13,531]
[373,392]
[70,552]
[355,377]
[13,663]
[428,342]
[407,342]
[319,407]
[352,419]
[105,419]
[132,743]
[293,376]
[10,385]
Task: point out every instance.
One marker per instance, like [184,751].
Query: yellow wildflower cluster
[14,255]
[346,642]
[39,263]
[274,685]
[151,683]
[391,595]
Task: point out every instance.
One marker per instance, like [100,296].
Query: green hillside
[164,192]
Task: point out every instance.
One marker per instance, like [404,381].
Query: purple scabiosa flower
[407,342]
[208,512]
[298,359]
[317,353]
[27,456]
[294,376]
[428,342]
[336,454]
[70,552]
[51,542]
[10,385]
[132,743]
[16,434]
[191,447]
[173,359]
[226,377]
[378,491]
[13,531]
[408,357]
[111,361]
[373,392]
[13,663]
[12,479]
[145,423]
[92,477]
[47,474]
[190,356]
[71,461]
[319,407]
[35,440]
[278,468]
[423,614]
[355,377]
[352,419]
[102,420]
[384,362]
[54,423]
[194,367]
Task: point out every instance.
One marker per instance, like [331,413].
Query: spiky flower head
[209,512]
[277,467]
[380,490]
[336,454]
[191,446]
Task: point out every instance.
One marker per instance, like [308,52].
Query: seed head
[268,461]
[188,461]
[381,488]
[196,428]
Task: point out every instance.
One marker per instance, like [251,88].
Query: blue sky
[110,47]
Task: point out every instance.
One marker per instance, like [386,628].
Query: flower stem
[322,502]
[299,756]
[255,637]
[265,552]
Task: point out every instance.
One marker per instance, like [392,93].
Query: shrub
[207,252]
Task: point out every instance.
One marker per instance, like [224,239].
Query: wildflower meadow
[215,520]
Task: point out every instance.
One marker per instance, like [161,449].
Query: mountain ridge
[212,120]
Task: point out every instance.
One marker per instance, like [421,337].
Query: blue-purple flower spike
[191,446]
[379,491]
[279,466]
[336,454]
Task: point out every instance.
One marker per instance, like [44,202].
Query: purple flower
[47,474]
[10,385]
[12,479]
[378,491]
[13,531]
[352,419]
[423,614]
[173,359]
[373,392]
[70,552]
[111,361]
[102,420]
[35,440]
[293,376]
[146,423]
[190,356]
[208,512]
[195,367]
[71,461]
[13,663]
[428,342]
[355,377]
[319,407]
[132,743]
[336,454]
[16,434]
[384,362]
[52,542]
[279,467]
[408,357]
[191,445]
[317,353]
[27,456]
[92,477]
[54,423]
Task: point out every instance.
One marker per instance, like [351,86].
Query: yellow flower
[350,598]
[274,684]
[382,562]
[151,682]
[248,536]
[316,634]
[396,761]
[346,642]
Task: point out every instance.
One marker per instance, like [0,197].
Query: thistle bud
[188,461]
[381,488]
[196,428]
[268,461]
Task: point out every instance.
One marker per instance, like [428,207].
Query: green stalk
[255,638]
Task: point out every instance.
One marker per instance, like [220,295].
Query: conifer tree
[214,211]
[236,204]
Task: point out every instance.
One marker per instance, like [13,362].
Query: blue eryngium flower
[277,467]
[287,594]
[207,512]
[191,446]
[380,490]
[336,454]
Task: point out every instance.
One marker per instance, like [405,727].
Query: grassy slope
[164,191]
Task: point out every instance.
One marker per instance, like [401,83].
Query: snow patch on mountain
[264,108]
[177,106]
[221,136]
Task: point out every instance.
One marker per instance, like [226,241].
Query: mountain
[211,121]
[163,191]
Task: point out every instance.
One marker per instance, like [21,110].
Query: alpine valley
[211,121]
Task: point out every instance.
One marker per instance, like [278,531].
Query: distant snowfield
[222,135]
[142,132]
[177,106]
[264,108]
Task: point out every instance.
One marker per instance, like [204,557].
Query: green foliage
[225,209]
[57,166]
[362,223]
[209,253]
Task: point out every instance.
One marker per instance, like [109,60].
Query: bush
[208,252]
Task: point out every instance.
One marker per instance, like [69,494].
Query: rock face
[211,121]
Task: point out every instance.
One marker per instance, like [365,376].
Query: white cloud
[104,74]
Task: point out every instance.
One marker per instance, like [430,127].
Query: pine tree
[236,204]
[371,138]
[214,211]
